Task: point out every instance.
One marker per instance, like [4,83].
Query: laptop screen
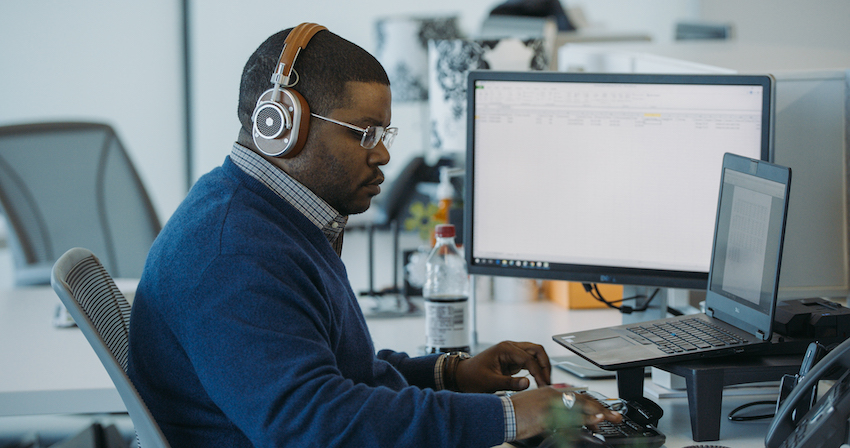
[748,236]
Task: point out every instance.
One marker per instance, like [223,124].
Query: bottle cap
[444,230]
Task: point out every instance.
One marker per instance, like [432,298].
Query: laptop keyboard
[684,335]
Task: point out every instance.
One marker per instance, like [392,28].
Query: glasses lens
[389,136]
[374,134]
[371,137]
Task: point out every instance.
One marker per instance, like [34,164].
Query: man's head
[338,80]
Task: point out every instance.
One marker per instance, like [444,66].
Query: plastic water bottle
[446,293]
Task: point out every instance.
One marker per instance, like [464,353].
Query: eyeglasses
[371,135]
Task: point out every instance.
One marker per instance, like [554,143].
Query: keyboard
[630,432]
[684,335]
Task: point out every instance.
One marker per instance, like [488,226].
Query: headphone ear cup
[280,128]
[300,124]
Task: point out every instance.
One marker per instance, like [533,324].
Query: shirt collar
[319,212]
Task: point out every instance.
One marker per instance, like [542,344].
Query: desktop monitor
[604,178]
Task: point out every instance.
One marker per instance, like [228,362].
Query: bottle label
[446,323]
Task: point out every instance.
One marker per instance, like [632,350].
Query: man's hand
[543,409]
[492,370]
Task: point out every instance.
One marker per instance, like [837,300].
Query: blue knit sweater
[245,332]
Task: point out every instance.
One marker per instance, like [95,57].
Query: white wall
[110,61]
[656,17]
[820,24]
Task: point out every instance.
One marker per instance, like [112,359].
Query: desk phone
[801,422]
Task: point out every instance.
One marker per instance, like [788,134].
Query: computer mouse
[644,411]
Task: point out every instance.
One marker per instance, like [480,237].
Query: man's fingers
[595,412]
[520,383]
[536,361]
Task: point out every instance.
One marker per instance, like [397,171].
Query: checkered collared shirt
[313,207]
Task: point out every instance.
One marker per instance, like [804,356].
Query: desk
[537,322]
[44,369]
[47,370]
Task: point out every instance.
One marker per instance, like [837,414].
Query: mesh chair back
[103,315]
[65,185]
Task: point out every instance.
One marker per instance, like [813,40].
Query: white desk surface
[47,370]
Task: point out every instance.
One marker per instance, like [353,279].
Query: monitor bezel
[595,273]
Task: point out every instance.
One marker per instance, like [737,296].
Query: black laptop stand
[705,380]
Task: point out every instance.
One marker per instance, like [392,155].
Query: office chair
[64,185]
[103,315]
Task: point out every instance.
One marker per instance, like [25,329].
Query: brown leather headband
[295,41]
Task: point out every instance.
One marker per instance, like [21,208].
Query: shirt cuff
[507,404]
[510,419]
[439,372]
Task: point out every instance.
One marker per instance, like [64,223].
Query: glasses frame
[387,135]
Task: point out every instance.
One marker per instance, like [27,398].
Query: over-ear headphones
[281,117]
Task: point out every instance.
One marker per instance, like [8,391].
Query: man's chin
[360,207]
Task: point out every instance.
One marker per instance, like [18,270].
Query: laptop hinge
[761,335]
[709,312]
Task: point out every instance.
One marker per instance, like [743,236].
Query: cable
[593,290]
[747,418]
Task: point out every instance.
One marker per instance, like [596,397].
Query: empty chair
[65,185]
[103,315]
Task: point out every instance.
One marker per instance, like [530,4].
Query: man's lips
[374,187]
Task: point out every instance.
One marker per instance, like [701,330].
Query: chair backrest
[103,315]
[65,185]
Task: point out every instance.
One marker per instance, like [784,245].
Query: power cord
[746,418]
[593,290]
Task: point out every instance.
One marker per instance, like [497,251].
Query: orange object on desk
[573,296]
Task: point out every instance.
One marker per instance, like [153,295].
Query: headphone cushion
[280,127]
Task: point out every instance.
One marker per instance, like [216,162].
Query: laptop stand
[705,379]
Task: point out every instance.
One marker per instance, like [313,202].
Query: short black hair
[324,67]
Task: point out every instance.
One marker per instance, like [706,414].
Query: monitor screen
[749,235]
[604,178]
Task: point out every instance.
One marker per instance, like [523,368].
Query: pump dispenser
[445,195]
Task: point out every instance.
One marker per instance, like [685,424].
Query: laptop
[743,281]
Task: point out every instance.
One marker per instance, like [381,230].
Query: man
[245,330]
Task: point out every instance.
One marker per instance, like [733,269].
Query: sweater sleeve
[418,371]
